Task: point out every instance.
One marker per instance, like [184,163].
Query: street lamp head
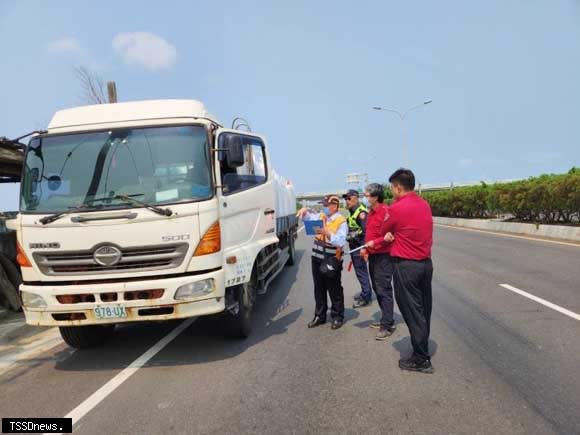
[377,108]
[428,101]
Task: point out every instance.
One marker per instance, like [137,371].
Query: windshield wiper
[130,199]
[88,206]
[51,218]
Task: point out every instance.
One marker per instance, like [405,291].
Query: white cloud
[73,48]
[64,46]
[145,49]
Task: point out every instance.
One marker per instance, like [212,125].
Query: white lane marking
[18,353]
[301,229]
[495,233]
[541,301]
[98,396]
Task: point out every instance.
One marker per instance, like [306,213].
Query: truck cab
[145,211]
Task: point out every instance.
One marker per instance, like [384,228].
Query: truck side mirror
[234,150]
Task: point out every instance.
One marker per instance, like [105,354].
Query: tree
[93,86]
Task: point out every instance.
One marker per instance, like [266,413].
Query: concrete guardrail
[561,232]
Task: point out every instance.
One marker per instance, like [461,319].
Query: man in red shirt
[380,265]
[409,227]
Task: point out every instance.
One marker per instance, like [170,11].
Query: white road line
[98,396]
[541,301]
[513,236]
[301,229]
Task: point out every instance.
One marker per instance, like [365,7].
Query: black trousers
[381,271]
[323,286]
[362,273]
[412,281]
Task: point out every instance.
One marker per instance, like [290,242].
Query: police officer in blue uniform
[356,238]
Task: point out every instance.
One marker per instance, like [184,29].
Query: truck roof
[146,110]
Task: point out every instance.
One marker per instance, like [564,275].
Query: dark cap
[351,192]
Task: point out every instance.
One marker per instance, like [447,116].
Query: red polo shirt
[411,223]
[375,220]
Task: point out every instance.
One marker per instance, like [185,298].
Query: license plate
[110,312]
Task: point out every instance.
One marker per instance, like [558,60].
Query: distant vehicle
[146,211]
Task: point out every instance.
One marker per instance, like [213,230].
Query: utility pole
[112,91]
[403,117]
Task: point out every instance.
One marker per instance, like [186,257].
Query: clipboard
[311,226]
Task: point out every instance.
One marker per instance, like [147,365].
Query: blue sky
[504,77]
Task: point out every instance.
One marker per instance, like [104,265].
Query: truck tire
[11,271]
[8,293]
[239,325]
[291,249]
[83,337]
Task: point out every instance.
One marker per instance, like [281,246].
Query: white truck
[148,211]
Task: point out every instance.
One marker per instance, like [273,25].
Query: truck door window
[252,173]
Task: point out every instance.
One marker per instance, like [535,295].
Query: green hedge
[544,199]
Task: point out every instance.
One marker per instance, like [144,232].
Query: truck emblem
[49,245]
[107,255]
[176,238]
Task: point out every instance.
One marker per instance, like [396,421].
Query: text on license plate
[110,312]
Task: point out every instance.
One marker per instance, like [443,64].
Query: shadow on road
[404,347]
[376,317]
[204,341]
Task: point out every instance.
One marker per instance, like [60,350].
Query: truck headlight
[32,300]
[195,289]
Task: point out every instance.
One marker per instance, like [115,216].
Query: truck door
[246,199]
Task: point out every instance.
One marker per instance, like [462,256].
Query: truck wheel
[239,324]
[8,293]
[83,337]
[11,271]
[291,250]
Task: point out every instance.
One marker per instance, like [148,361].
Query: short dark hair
[376,189]
[404,178]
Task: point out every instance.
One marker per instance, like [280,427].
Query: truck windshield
[160,165]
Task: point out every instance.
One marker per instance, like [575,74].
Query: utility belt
[321,250]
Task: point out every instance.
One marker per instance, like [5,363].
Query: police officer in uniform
[356,238]
[327,252]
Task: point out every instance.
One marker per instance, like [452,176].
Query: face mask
[326,211]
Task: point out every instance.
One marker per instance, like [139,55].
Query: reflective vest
[321,247]
[352,219]
[331,226]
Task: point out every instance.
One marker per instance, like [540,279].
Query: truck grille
[142,258]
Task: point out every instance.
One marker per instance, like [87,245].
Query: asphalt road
[504,363]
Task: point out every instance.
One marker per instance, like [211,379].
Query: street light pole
[403,117]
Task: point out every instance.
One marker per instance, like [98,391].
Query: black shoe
[316,322]
[357,296]
[385,333]
[375,325]
[359,303]
[415,364]
[336,323]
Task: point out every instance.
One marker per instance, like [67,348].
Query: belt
[400,259]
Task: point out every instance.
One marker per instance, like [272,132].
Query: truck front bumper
[147,300]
